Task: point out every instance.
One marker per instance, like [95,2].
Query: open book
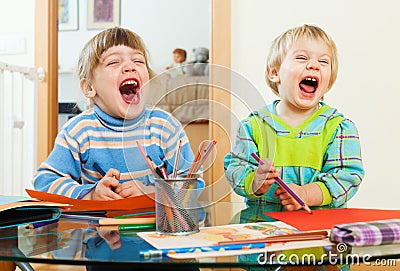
[16,210]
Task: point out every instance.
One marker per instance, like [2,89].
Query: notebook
[18,210]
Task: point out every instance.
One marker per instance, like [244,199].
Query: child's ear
[87,89]
[273,75]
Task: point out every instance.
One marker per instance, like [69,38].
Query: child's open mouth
[309,84]
[129,90]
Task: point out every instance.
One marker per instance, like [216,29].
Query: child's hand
[104,189]
[112,238]
[133,188]
[287,200]
[264,177]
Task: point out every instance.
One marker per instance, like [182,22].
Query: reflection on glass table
[79,243]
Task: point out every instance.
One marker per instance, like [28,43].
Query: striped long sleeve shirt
[95,137]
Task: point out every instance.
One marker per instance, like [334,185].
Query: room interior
[234,29]
[240,27]
[236,26]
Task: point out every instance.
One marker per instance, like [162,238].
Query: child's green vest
[290,150]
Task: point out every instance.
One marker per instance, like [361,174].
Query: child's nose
[130,67]
[313,65]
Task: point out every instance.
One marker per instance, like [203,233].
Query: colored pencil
[111,221]
[302,236]
[172,208]
[200,159]
[99,169]
[197,165]
[102,172]
[147,254]
[39,224]
[282,184]
[129,227]
[164,173]
[196,159]
[177,159]
[119,221]
[87,213]
[207,152]
[143,214]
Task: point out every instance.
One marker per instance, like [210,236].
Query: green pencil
[133,227]
[146,214]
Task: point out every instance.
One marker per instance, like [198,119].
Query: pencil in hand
[99,169]
[282,184]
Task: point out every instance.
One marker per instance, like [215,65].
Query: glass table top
[77,242]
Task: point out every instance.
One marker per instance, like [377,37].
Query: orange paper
[134,203]
[327,218]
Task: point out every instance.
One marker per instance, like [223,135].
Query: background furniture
[185,97]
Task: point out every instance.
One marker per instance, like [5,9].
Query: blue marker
[159,253]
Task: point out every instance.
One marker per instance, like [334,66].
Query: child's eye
[112,62]
[324,61]
[139,61]
[301,57]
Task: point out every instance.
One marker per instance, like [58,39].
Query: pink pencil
[282,184]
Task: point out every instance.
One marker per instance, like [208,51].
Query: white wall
[367,89]
[163,25]
[13,26]
[166,25]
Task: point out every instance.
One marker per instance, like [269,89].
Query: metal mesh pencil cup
[177,206]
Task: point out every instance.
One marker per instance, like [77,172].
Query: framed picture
[103,13]
[67,15]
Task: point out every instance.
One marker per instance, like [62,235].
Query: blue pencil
[99,169]
[158,253]
[39,224]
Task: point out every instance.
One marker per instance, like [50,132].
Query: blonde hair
[282,43]
[95,47]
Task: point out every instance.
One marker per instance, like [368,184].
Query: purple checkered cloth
[380,232]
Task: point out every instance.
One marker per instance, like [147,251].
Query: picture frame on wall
[103,14]
[68,15]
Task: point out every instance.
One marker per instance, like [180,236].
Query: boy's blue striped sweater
[93,136]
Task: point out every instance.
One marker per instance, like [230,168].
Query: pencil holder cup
[177,206]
